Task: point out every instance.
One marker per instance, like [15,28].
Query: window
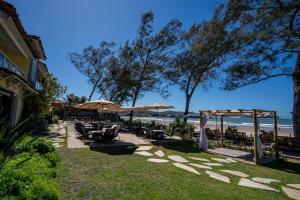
[33,70]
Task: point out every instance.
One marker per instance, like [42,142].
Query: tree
[269,46]
[92,63]
[149,53]
[72,99]
[202,53]
[116,85]
[39,104]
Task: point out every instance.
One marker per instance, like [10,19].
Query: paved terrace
[75,140]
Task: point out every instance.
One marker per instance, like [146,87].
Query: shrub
[53,158]
[39,145]
[22,174]
[42,189]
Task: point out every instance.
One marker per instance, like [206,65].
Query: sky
[70,25]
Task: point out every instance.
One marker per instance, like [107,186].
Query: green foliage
[42,189]
[28,176]
[72,99]
[39,145]
[26,165]
[9,139]
[39,104]
[181,128]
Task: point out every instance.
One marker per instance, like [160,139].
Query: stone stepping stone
[231,160]
[187,168]
[160,153]
[57,146]
[236,173]
[248,183]
[58,140]
[218,176]
[296,186]
[264,180]
[213,164]
[221,160]
[291,193]
[200,159]
[144,148]
[200,166]
[178,159]
[157,160]
[143,153]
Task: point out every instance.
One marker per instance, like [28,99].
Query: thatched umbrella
[101,105]
[157,107]
[137,108]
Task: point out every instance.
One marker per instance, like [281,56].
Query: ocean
[231,121]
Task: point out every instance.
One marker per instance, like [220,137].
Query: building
[22,64]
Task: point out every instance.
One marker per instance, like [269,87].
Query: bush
[39,145]
[42,189]
[29,176]
[181,128]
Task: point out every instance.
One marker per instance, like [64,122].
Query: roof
[239,112]
[34,48]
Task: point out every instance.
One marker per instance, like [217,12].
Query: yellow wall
[18,91]
[21,62]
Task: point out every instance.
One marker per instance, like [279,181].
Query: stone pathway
[156,160]
[292,190]
[292,193]
[221,160]
[187,168]
[200,166]
[236,173]
[248,183]
[200,159]
[160,153]
[264,180]
[296,186]
[143,153]
[178,159]
[213,164]
[218,176]
[57,134]
[144,148]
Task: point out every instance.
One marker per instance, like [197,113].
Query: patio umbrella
[137,108]
[100,105]
[157,107]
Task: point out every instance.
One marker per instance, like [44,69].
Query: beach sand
[286,132]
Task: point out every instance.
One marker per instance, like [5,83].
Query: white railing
[5,63]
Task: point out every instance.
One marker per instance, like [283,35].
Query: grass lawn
[117,173]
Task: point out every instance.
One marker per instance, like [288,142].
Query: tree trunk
[133,104]
[187,107]
[296,106]
[93,90]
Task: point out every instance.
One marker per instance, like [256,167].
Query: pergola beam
[255,113]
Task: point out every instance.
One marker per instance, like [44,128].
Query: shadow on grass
[181,146]
[284,165]
[114,150]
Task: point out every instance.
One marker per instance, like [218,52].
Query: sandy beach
[286,132]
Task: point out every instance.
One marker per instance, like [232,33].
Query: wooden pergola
[255,114]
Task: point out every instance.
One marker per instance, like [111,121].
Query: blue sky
[70,25]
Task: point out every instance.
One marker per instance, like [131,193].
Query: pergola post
[276,135]
[222,130]
[255,136]
[201,118]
